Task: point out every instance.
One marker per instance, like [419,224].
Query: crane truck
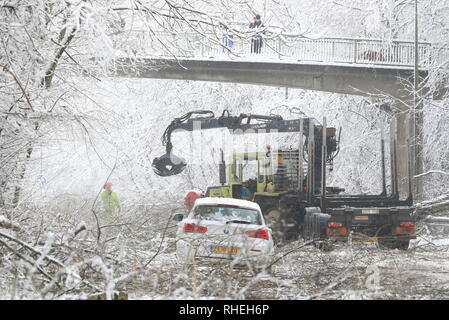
[290,184]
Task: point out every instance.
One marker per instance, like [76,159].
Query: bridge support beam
[400,135]
[417,134]
[409,158]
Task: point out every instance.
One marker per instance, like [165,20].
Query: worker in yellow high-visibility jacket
[110,199]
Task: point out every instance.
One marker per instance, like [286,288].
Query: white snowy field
[349,271]
[134,253]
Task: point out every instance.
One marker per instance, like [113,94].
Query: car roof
[227,201]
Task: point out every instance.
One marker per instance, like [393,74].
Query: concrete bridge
[340,65]
[363,80]
[362,67]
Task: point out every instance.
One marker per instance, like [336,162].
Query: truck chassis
[295,199]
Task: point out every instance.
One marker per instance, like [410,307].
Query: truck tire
[324,246]
[313,227]
[283,224]
[305,229]
[394,244]
[386,244]
[291,230]
[402,244]
[273,216]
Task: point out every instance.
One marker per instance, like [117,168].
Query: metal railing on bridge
[280,47]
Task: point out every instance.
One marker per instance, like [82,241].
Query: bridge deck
[341,65]
[343,78]
[282,48]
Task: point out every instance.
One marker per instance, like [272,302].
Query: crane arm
[169,164]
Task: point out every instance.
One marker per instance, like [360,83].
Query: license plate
[364,218]
[226,250]
[370,211]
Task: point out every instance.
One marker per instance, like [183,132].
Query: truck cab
[248,173]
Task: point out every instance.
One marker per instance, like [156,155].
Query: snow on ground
[349,271]
[144,259]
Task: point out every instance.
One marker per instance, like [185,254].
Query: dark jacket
[253,25]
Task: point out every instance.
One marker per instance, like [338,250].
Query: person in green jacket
[110,199]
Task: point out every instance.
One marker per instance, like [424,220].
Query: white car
[222,228]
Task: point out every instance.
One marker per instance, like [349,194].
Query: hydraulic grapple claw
[168,165]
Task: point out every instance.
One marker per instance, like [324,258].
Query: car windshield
[227,214]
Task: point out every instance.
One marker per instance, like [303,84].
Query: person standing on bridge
[256,41]
[228,42]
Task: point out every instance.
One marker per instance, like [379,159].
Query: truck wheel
[402,244]
[387,244]
[273,217]
[394,244]
[305,231]
[324,246]
[292,233]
